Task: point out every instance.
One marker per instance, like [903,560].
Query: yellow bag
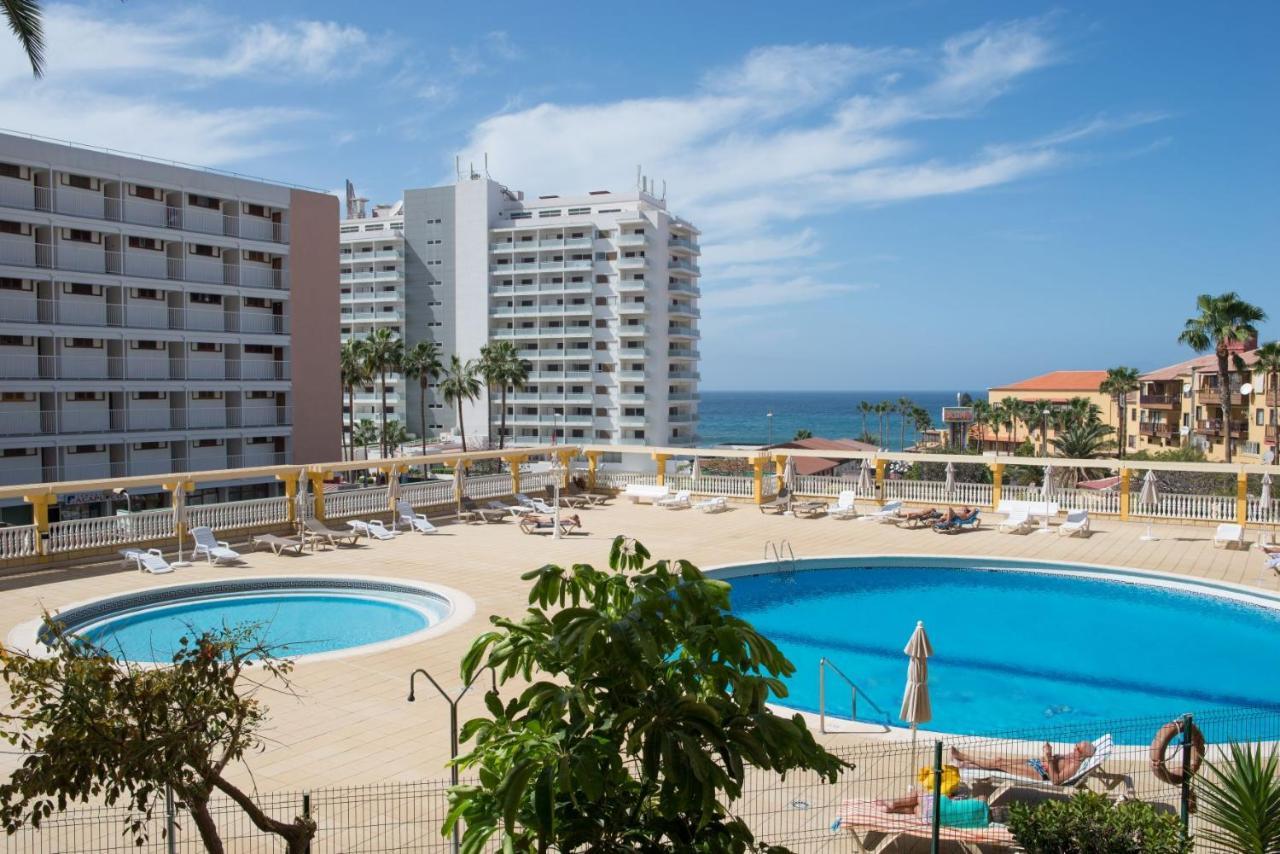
[950,779]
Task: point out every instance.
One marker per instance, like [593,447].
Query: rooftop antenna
[486,164]
[664,189]
[457,166]
[638,178]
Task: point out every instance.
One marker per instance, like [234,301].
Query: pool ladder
[824,664]
[784,557]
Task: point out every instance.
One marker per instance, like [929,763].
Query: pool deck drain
[350,723]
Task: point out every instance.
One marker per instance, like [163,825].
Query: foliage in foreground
[94,727]
[1240,799]
[1090,823]
[646,704]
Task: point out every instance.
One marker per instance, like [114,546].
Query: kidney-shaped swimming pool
[1017,646]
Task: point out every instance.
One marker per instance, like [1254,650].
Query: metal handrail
[823,664]
[777,550]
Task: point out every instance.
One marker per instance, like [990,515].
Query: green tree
[365,434]
[25,20]
[94,727]
[383,354]
[461,383]
[1224,322]
[1119,384]
[647,704]
[1240,799]
[865,408]
[422,363]
[982,417]
[353,370]
[1090,822]
[1267,363]
[883,408]
[904,408]
[393,436]
[802,434]
[921,420]
[1084,441]
[502,367]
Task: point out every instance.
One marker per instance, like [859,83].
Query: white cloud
[310,48]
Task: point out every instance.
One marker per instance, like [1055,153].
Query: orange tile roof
[817,465]
[1059,381]
[1200,363]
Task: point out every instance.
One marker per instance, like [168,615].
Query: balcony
[682,264]
[683,353]
[136,314]
[1238,429]
[370,276]
[632,263]
[29,366]
[1160,401]
[681,287]
[1157,430]
[632,240]
[1273,397]
[1271,434]
[633,330]
[632,285]
[633,308]
[1211,396]
[684,243]
[632,376]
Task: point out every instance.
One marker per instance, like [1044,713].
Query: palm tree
[802,434]
[1223,321]
[461,383]
[383,354]
[883,408]
[394,435]
[1005,413]
[1240,797]
[513,373]
[981,416]
[1267,363]
[921,420]
[351,367]
[1119,384]
[422,363]
[864,409]
[905,407]
[1084,441]
[25,21]
[494,367]
[365,434]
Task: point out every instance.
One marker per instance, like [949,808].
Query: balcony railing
[1211,396]
[1209,427]
[146,314]
[34,422]
[72,201]
[1160,431]
[78,257]
[1160,399]
[29,366]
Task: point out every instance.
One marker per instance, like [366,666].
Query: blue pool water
[300,623]
[1013,650]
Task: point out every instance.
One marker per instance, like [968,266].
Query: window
[146,345]
[85,396]
[145,293]
[205,299]
[254,210]
[18,452]
[522,215]
[206,395]
[206,251]
[14,341]
[82,343]
[149,395]
[16,396]
[8,284]
[206,202]
[255,256]
[260,302]
[79,235]
[578,212]
[81,290]
[13,170]
[205,347]
[258,348]
[86,449]
[151,193]
[80,182]
[144,243]
[206,443]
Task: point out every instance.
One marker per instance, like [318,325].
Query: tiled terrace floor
[351,724]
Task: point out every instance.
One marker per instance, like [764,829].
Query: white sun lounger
[887,513]
[212,548]
[844,508]
[1227,534]
[675,502]
[416,521]
[1077,523]
[1091,768]
[1017,520]
[373,529]
[638,492]
[712,505]
[151,560]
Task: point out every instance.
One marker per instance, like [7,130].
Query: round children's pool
[1017,646]
[293,617]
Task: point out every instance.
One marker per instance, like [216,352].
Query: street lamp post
[1044,433]
[557,476]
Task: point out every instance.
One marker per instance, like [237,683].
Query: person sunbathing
[1050,767]
[922,515]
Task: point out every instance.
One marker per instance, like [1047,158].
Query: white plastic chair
[215,550]
[416,521]
[1227,534]
[151,560]
[1077,523]
[844,508]
[673,502]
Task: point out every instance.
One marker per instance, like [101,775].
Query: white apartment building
[148,318]
[372,296]
[599,293]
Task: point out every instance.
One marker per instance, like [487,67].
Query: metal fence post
[1186,775]
[306,813]
[170,821]
[937,799]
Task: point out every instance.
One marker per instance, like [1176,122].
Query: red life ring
[1159,745]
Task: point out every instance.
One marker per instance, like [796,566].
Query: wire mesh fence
[884,801]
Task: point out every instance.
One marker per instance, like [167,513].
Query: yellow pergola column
[593,461]
[997,481]
[757,479]
[565,458]
[317,493]
[514,461]
[660,464]
[1124,494]
[290,480]
[1242,498]
[882,467]
[40,517]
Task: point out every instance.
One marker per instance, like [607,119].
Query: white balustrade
[487,485]
[730,486]
[355,502]
[536,480]
[1265,514]
[102,531]
[17,541]
[239,514]
[1176,505]
[613,479]
[429,493]
[936,492]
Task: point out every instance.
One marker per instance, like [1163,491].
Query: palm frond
[25,20]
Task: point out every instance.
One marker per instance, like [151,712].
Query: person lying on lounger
[1050,767]
[961,812]
[922,515]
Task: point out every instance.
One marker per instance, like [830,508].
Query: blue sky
[892,195]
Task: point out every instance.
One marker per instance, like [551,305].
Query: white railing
[822,486]
[110,530]
[623,479]
[536,480]
[730,486]
[239,514]
[487,485]
[1266,514]
[17,541]
[356,502]
[429,493]
[1200,508]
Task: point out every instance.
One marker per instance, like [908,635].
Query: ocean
[727,417]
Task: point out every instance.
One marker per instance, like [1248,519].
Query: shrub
[1091,823]
[1241,799]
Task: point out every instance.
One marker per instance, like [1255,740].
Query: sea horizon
[741,417]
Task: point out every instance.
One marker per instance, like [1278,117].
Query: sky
[905,195]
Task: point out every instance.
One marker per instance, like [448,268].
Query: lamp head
[118,490]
